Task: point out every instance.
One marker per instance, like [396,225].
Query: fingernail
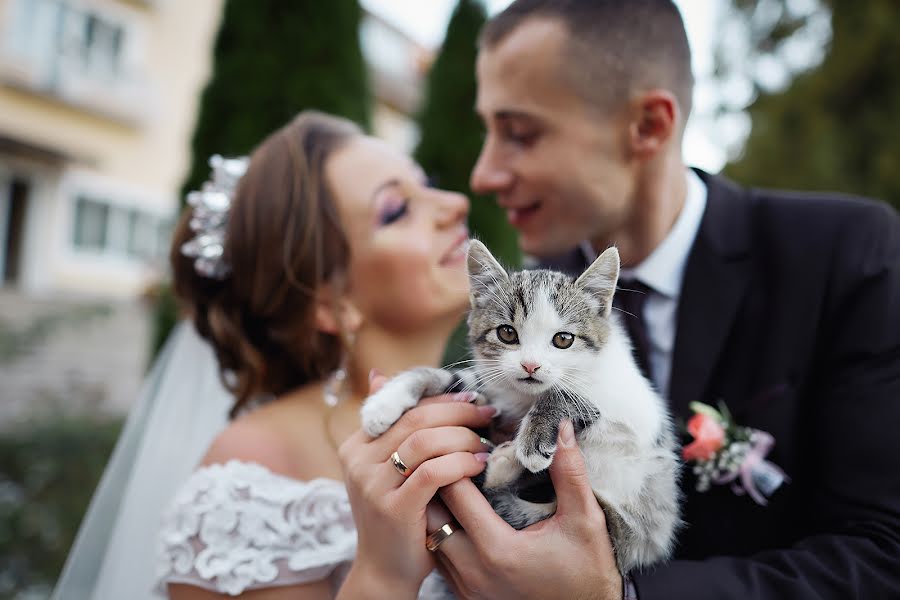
[566,434]
[482,456]
[372,375]
[487,443]
[489,411]
[465,397]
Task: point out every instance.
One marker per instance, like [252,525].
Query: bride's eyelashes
[393,211]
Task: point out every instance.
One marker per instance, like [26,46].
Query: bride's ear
[336,313]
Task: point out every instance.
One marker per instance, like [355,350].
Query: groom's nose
[490,175]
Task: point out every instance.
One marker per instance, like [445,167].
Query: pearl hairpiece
[211,205]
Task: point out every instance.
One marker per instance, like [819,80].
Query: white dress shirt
[663,272]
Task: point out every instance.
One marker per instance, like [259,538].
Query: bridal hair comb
[210,216]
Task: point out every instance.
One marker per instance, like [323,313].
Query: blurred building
[97,105]
[397,69]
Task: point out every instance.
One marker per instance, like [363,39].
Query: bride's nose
[452,208]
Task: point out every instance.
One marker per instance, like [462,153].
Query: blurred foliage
[272,59]
[48,472]
[16,343]
[165,316]
[834,126]
[452,133]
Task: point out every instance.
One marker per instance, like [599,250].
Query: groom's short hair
[615,47]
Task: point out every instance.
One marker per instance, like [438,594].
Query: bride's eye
[394,212]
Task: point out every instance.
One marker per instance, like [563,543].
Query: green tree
[834,126]
[452,133]
[272,59]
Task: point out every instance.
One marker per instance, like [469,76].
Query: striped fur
[622,425]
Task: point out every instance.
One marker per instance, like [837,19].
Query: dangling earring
[335,383]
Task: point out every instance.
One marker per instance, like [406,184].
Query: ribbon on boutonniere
[725,453]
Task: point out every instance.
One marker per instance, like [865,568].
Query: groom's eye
[507,334]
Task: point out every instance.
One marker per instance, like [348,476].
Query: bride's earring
[334,386]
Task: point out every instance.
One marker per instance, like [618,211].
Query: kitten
[549,348]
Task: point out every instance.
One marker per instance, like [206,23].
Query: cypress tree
[452,133]
[274,58]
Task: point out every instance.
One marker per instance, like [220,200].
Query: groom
[784,306]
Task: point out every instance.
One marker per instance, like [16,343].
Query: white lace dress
[239,526]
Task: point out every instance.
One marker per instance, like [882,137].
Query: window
[63,38]
[114,230]
[91,224]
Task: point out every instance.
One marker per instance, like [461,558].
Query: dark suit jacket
[790,314]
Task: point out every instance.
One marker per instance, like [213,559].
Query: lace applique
[239,526]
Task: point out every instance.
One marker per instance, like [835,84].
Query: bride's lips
[457,252]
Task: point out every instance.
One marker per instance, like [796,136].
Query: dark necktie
[631,296]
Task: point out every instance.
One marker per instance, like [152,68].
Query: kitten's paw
[502,467]
[383,408]
[535,457]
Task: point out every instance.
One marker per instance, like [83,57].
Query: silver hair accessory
[211,205]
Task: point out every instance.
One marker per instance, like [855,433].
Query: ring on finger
[436,538]
[399,464]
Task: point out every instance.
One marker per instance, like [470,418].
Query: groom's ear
[335,313]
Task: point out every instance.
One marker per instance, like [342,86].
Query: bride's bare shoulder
[286,436]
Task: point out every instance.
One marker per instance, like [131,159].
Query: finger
[376,381]
[475,513]
[440,414]
[420,487]
[454,397]
[437,516]
[574,495]
[426,444]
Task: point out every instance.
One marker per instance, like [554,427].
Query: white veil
[181,407]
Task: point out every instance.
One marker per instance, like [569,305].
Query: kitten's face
[535,330]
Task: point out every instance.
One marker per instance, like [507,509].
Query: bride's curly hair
[283,239]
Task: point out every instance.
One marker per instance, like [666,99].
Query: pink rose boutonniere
[723,452]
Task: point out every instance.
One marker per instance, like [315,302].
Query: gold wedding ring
[434,540]
[399,464]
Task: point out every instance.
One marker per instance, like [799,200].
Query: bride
[325,258]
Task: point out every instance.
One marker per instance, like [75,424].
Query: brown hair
[615,46]
[283,239]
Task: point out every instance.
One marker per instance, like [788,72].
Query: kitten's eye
[507,334]
[563,340]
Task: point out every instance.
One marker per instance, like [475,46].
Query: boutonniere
[723,452]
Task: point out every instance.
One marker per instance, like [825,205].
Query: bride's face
[407,240]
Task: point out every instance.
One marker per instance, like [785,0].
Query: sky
[426,20]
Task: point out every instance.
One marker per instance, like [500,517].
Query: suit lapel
[715,281]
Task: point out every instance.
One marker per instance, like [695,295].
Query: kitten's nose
[530,367]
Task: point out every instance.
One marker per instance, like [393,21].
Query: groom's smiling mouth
[520,215]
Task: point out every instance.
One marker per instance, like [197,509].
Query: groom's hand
[566,556]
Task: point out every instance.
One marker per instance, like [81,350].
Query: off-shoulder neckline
[245,464]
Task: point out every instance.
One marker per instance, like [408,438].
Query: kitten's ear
[484,271]
[599,280]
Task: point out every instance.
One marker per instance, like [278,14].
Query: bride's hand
[435,442]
